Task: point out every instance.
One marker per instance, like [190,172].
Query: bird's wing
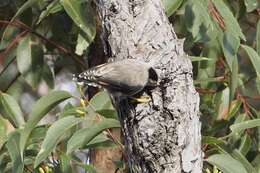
[107,76]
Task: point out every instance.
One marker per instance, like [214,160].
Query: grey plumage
[126,77]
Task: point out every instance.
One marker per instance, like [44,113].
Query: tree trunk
[162,136]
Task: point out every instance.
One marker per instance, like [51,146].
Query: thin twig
[12,81]
[215,14]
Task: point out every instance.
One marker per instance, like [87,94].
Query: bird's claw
[142,99]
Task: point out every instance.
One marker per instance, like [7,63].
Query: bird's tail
[85,78]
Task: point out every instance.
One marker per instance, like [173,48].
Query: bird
[123,78]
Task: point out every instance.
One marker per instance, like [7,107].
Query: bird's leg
[141,99]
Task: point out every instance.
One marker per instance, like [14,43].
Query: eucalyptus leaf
[194,59]
[226,163]
[3,133]
[14,151]
[198,20]
[234,108]
[30,60]
[258,38]
[254,58]
[171,6]
[48,75]
[231,23]
[251,5]
[25,6]
[230,45]
[65,163]
[238,127]
[52,8]
[101,101]
[233,80]
[39,110]
[10,109]
[85,135]
[53,136]
[245,144]
[22,9]
[242,159]
[82,45]
[83,16]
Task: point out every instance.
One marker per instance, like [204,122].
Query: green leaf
[11,110]
[171,6]
[230,45]
[76,111]
[233,80]
[211,140]
[101,101]
[30,60]
[8,75]
[37,134]
[9,33]
[239,156]
[223,103]
[24,51]
[234,108]
[254,58]
[85,135]
[258,38]
[39,110]
[53,136]
[257,83]
[231,23]
[3,133]
[226,163]
[237,136]
[108,113]
[82,45]
[48,76]
[44,105]
[206,69]
[245,144]
[52,8]
[65,163]
[23,8]
[99,140]
[14,151]
[209,80]
[238,127]
[198,20]
[251,5]
[83,16]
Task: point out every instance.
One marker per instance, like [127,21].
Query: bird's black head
[153,78]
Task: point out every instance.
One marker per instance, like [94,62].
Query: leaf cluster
[222,38]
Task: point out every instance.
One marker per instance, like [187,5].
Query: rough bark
[162,136]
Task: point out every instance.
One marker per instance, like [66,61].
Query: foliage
[223,37]
[41,38]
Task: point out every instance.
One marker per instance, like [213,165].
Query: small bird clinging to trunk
[124,78]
